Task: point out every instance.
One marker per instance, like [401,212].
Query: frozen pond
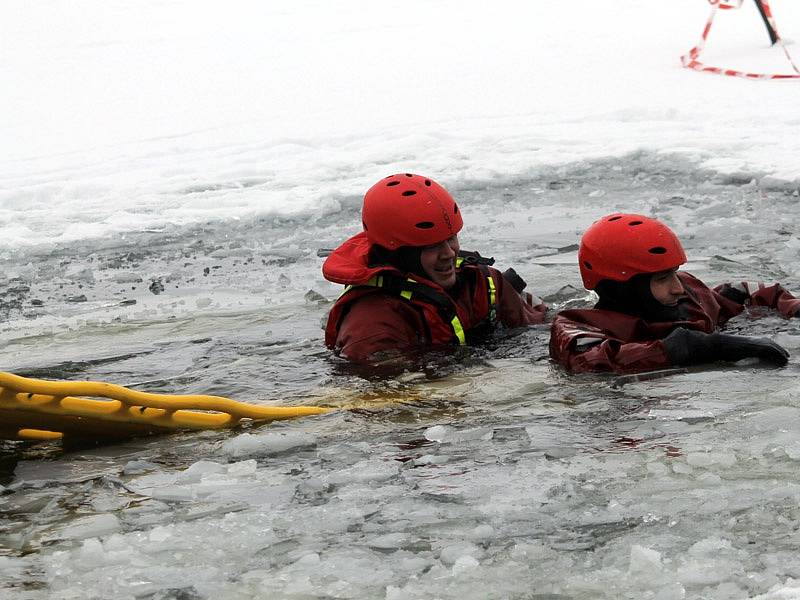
[491,474]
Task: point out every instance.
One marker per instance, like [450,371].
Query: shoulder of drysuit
[693,283]
[718,308]
[697,286]
[685,277]
[597,323]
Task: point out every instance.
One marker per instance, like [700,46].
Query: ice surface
[790,590]
[248,444]
[85,159]
[465,564]
[90,526]
[645,561]
[452,435]
[136,467]
[197,471]
[452,554]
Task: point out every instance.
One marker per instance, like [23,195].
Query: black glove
[735,294]
[517,282]
[691,347]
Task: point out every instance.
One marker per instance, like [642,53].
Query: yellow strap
[459,331]
[492,292]
[455,322]
[374,281]
[408,293]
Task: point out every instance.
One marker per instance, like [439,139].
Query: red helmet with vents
[409,210]
[622,245]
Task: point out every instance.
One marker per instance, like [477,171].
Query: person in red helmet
[650,315]
[408,285]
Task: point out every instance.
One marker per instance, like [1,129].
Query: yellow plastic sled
[40,410]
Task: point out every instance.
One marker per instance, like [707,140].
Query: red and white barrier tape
[690,59]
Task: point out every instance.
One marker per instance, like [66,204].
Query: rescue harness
[409,289]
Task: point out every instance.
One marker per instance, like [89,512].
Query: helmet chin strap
[633,297]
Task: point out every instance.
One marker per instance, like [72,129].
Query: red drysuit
[387,312]
[594,340]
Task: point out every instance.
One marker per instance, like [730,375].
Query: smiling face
[666,287]
[439,262]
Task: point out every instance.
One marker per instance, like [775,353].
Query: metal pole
[773,37]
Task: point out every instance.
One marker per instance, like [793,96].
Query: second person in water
[409,286]
[650,315]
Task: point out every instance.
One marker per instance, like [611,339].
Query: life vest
[437,308]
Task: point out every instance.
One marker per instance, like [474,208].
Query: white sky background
[112,110]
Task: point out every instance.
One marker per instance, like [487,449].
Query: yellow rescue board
[40,409]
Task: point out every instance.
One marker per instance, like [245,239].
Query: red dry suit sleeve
[757,294]
[377,325]
[583,348]
[515,309]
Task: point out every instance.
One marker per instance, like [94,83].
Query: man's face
[439,262]
[666,287]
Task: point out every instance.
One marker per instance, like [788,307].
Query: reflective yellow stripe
[459,331]
[492,291]
[459,260]
[407,293]
[374,281]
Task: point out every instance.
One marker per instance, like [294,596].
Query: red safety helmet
[622,245]
[409,210]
